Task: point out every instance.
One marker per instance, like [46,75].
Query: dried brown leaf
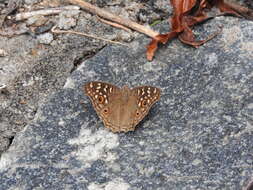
[188,13]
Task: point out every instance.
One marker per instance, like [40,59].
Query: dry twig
[54,30]
[51,11]
[114,18]
[114,24]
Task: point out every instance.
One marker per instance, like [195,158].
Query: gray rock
[199,136]
[45,38]
[163,5]
[31,71]
[4,132]
[36,20]
[3,53]
[67,19]
[11,64]
[5,142]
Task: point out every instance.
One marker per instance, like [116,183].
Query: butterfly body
[121,109]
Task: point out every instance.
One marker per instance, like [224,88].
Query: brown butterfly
[121,109]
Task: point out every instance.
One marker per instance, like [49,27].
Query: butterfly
[121,109]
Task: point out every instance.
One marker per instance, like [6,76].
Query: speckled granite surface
[198,136]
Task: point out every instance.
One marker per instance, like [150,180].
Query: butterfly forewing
[146,97]
[99,93]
